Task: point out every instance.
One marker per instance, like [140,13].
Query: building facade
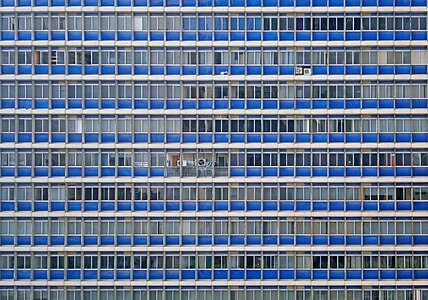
[213,149]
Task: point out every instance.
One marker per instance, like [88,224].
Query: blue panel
[221,36]
[303,36]
[7,137]
[303,274]
[73,240]
[370,240]
[91,205]
[254,274]
[352,36]
[189,240]
[204,274]
[336,70]
[370,205]
[156,138]
[254,70]
[24,171]
[57,240]
[404,274]
[368,274]
[173,138]
[270,240]
[319,274]
[7,103]
[402,36]
[221,240]
[270,36]
[319,205]
[26,36]
[369,70]
[419,137]
[141,138]
[337,240]
[404,205]
[353,274]
[286,240]
[7,241]
[419,274]
[352,70]
[5,3]
[205,70]
[90,274]
[303,240]
[204,240]
[140,240]
[254,138]
[156,240]
[41,206]
[237,274]
[387,240]
[74,36]
[319,36]
[6,274]
[419,35]
[320,240]
[387,274]
[123,274]
[219,138]
[41,172]
[404,240]
[140,274]
[419,104]
[270,205]
[254,36]
[57,274]
[189,104]
[172,274]
[188,274]
[24,240]
[319,104]
[73,274]
[286,138]
[336,36]
[303,137]
[386,171]
[57,36]
[385,35]
[20,274]
[286,171]
[90,240]
[104,274]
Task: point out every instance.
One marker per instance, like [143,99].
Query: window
[124,22]
[140,22]
[74,22]
[107,22]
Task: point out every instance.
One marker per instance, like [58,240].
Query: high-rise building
[213,149]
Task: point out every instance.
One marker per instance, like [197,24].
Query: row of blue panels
[217,36]
[215,138]
[160,206]
[214,70]
[234,172]
[214,104]
[175,240]
[286,3]
[209,274]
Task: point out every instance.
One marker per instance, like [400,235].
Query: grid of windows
[213,149]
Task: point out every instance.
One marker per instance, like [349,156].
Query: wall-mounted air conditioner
[202,162]
[307,71]
[299,71]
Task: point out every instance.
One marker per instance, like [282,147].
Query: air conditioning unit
[307,71]
[202,162]
[299,71]
[224,73]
